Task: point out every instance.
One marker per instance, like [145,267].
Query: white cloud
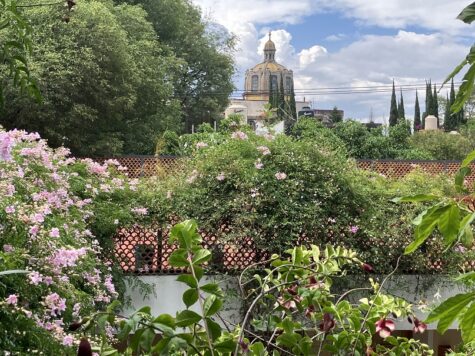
[335,37]
[437,15]
[310,55]
[375,60]
[371,60]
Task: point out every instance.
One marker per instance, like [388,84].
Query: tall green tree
[282,103]
[393,111]
[106,82]
[449,124]
[417,114]
[291,112]
[15,44]
[400,108]
[335,115]
[204,81]
[435,106]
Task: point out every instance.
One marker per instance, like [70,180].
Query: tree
[14,48]
[291,111]
[466,88]
[335,115]
[273,94]
[393,112]
[106,82]
[281,113]
[435,106]
[204,50]
[417,114]
[400,109]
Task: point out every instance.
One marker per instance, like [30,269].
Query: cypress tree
[281,100]
[448,118]
[435,106]
[400,109]
[417,115]
[291,111]
[393,112]
[292,105]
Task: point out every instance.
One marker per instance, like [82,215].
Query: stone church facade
[260,80]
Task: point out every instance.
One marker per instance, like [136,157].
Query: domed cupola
[269,50]
[267,76]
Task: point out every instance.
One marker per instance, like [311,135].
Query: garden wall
[148,166]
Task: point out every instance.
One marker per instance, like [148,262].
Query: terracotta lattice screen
[145,250]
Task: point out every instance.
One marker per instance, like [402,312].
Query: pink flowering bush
[51,207]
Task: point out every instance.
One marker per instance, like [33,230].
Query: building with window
[260,81]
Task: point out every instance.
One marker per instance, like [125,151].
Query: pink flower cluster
[201,145]
[280,176]
[67,258]
[239,135]
[264,150]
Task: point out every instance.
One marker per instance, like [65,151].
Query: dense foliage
[299,312]
[283,190]
[53,269]
[110,84]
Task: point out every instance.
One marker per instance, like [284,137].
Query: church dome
[270,45]
[267,76]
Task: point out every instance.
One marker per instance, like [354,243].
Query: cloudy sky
[350,44]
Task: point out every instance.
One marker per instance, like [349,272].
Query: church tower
[265,76]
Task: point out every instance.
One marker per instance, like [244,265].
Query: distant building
[259,81]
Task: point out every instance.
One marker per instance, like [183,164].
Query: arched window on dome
[288,84]
[255,83]
[273,83]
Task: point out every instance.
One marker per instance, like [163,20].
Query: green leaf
[425,228]
[465,89]
[165,319]
[187,318]
[470,157]
[178,258]
[188,279]
[201,256]
[468,14]
[225,346]
[467,324]
[212,305]
[258,349]
[13,271]
[190,297]
[449,223]
[449,310]
[460,177]
[212,288]
[214,328]
[415,198]
[455,72]
[465,230]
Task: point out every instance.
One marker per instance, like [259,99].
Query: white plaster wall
[167,296]
[431,290]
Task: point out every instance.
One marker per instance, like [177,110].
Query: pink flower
[7,248]
[55,303]
[54,232]
[12,299]
[239,135]
[6,145]
[264,150]
[10,209]
[34,230]
[258,164]
[269,137]
[220,177]
[384,327]
[68,340]
[201,145]
[35,278]
[140,211]
[280,175]
[419,326]
[354,229]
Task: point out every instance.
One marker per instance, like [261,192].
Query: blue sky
[349,43]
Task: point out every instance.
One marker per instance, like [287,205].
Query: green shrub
[441,145]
